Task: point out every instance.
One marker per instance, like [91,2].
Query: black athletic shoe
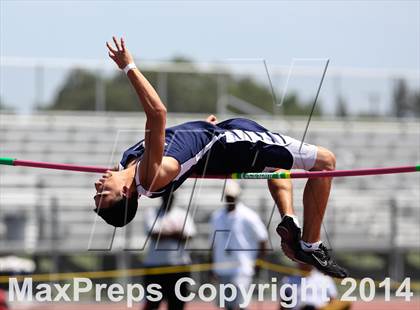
[290,235]
[322,261]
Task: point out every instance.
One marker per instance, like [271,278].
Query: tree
[186,92]
[293,106]
[247,89]
[192,92]
[341,107]
[120,95]
[406,102]
[415,99]
[77,92]
[401,99]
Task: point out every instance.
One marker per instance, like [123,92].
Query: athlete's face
[108,189]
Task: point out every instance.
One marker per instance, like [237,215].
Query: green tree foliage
[252,92]
[120,95]
[192,92]
[416,103]
[341,107]
[406,102]
[77,93]
[185,92]
[292,106]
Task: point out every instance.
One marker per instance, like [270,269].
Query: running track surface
[375,305]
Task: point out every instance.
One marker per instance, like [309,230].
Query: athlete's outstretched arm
[153,107]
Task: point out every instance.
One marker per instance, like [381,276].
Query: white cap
[232,189]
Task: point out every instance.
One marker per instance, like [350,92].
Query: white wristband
[129,67]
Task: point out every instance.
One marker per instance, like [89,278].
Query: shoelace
[325,253]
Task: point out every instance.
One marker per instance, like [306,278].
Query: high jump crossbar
[242,175]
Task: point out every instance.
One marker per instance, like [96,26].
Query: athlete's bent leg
[289,230]
[315,199]
[315,196]
[307,249]
[282,192]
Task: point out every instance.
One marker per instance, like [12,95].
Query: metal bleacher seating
[54,208]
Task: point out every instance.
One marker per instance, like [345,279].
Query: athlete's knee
[331,161]
[326,160]
[279,184]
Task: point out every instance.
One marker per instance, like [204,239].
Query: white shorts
[304,154]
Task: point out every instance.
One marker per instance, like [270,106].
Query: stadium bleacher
[55,205]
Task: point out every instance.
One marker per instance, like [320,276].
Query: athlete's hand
[119,54]
[211,119]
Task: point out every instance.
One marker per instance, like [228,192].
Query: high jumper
[166,157]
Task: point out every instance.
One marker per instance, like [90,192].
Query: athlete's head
[116,198]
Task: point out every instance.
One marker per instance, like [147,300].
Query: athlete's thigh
[291,155]
[304,154]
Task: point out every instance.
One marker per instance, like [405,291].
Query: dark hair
[120,213]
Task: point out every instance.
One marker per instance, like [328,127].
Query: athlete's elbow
[162,110]
[157,113]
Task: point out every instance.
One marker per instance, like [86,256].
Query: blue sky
[372,34]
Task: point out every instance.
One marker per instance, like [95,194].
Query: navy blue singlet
[234,145]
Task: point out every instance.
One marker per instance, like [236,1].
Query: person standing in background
[321,291]
[241,239]
[168,235]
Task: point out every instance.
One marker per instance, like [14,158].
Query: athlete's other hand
[119,54]
[211,119]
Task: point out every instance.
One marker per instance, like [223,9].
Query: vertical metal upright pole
[127,253]
[54,238]
[162,86]
[374,104]
[265,213]
[337,90]
[40,214]
[221,94]
[39,87]
[396,262]
[278,107]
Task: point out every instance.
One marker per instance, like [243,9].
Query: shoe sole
[286,239]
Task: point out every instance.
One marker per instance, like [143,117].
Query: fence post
[396,259]
[162,86]
[55,237]
[39,86]
[221,95]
